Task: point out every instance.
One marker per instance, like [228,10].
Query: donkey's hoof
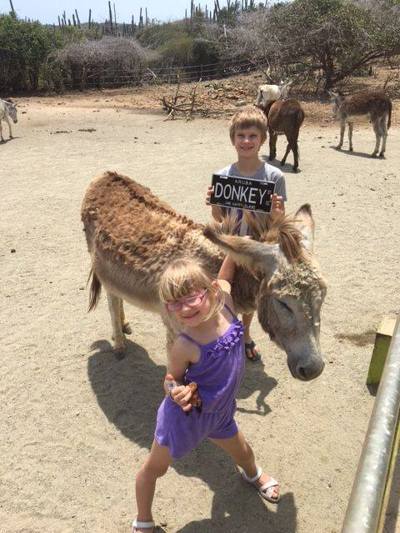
[126,328]
[271,158]
[338,147]
[382,155]
[295,169]
[374,154]
[351,149]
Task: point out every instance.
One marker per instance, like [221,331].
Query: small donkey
[375,104]
[7,111]
[284,117]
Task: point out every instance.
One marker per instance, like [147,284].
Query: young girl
[209,352]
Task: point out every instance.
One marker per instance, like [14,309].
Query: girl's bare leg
[242,454]
[155,466]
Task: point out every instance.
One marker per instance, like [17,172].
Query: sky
[47,11]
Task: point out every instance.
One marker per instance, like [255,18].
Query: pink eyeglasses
[190,301]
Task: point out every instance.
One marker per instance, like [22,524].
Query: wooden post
[12,8]
[111,16]
[381,347]
[115,15]
[77,18]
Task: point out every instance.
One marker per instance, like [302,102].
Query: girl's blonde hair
[183,277]
[249,117]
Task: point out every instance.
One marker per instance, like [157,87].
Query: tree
[330,37]
[30,43]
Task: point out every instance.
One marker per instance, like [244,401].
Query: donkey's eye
[285,306]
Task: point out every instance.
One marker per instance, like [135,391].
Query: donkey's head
[337,99]
[12,111]
[291,289]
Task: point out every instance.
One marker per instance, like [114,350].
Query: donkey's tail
[95,290]
[390,115]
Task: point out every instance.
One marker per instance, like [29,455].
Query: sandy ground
[76,423]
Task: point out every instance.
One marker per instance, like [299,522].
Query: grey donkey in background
[7,110]
[375,104]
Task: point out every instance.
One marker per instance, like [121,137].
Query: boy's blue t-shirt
[265,173]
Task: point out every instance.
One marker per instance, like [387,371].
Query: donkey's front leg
[375,125]
[9,128]
[126,328]
[342,128]
[350,133]
[114,305]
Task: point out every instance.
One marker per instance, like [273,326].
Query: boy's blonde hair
[183,277]
[249,117]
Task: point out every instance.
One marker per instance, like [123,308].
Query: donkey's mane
[283,231]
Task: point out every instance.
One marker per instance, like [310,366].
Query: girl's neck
[205,327]
[248,167]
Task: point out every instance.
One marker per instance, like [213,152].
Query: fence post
[366,505]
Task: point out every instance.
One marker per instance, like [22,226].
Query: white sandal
[265,490]
[142,525]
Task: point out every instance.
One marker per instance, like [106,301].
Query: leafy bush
[29,43]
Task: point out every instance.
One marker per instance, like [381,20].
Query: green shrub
[29,44]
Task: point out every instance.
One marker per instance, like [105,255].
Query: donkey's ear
[246,252]
[305,224]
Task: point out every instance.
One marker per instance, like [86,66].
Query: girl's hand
[182,394]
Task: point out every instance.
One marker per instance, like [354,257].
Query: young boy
[248,133]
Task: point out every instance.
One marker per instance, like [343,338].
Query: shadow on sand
[129,391]
[5,141]
[356,154]
[287,168]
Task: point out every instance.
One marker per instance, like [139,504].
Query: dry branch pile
[210,98]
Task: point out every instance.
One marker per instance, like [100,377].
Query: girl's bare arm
[179,358]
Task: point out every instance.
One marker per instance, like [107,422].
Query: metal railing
[366,508]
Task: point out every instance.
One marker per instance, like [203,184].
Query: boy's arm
[278,206]
[216,211]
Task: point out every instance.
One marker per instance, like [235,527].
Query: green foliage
[159,35]
[181,43]
[29,43]
[334,36]
[204,51]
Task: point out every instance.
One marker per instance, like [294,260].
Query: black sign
[242,193]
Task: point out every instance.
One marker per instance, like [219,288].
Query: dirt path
[77,423]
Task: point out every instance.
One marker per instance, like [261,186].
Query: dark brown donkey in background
[284,117]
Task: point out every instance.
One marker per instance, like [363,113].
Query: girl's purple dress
[218,374]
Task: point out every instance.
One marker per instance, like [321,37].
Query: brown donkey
[285,117]
[132,236]
[375,104]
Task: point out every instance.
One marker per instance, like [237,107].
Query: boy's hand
[210,190]
[278,205]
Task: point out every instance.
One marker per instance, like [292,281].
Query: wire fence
[99,77]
